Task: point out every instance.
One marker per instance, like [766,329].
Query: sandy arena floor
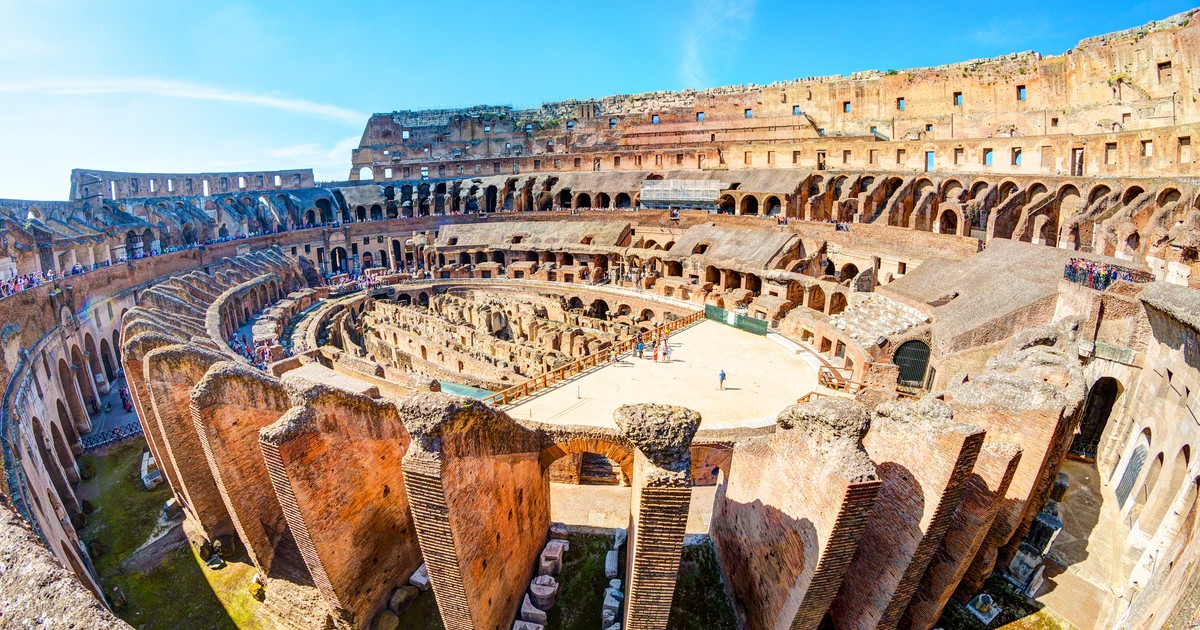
[762,378]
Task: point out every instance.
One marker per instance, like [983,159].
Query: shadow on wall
[763,552]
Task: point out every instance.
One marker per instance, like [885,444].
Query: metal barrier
[116,434]
[741,322]
[542,381]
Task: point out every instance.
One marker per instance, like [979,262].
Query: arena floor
[762,378]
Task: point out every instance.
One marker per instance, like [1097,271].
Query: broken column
[480,503]
[661,482]
[786,525]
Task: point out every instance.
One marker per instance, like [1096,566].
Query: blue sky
[175,86]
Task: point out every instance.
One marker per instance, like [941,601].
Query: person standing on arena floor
[721,380]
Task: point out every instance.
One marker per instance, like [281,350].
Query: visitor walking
[721,380]
[666,353]
[656,353]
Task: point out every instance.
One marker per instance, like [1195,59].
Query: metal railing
[116,434]
[543,381]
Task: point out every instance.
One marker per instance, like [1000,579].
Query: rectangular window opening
[900,103]
[1020,92]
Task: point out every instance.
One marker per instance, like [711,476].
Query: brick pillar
[229,406]
[787,523]
[131,356]
[480,503]
[170,373]
[983,493]
[662,437]
[922,456]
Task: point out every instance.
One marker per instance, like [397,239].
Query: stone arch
[912,357]
[772,206]
[707,459]
[603,200]
[53,468]
[726,204]
[1097,408]
[816,298]
[1097,192]
[93,355]
[749,205]
[623,200]
[1130,194]
[837,302]
[1133,467]
[62,450]
[583,200]
[1149,485]
[74,395]
[948,221]
[366,174]
[64,420]
[619,454]
[1165,495]
[849,271]
[599,309]
[950,190]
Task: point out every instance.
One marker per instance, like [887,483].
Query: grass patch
[700,600]
[1018,611]
[581,583]
[125,512]
[423,614]
[178,593]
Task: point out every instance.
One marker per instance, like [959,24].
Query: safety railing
[828,379]
[542,381]
[116,434]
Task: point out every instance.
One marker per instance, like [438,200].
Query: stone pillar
[922,456]
[788,522]
[134,350]
[983,493]
[662,437]
[480,502]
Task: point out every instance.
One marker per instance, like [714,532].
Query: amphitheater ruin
[920,331]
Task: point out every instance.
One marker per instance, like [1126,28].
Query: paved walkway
[118,416]
[763,377]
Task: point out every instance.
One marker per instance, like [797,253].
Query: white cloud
[183,89]
[715,29]
[329,162]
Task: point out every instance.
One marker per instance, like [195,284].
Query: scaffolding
[682,193]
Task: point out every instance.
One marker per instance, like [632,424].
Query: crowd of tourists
[1098,275]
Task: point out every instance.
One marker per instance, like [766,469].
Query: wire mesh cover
[913,359]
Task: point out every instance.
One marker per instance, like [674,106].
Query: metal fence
[743,322]
[124,432]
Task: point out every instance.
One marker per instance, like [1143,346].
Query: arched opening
[366,174]
[948,222]
[53,469]
[750,205]
[64,420]
[65,457]
[1148,486]
[1133,469]
[712,274]
[623,201]
[725,204]
[360,213]
[338,261]
[376,212]
[603,201]
[837,302]
[599,309]
[772,206]
[816,298]
[583,200]
[326,210]
[575,304]
[849,270]
[912,357]
[1164,496]
[1100,400]
[489,199]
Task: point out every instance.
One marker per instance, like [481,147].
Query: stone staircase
[877,316]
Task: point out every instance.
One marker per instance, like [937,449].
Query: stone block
[420,578]
[611,603]
[607,618]
[613,593]
[531,613]
[610,564]
[552,557]
[402,598]
[525,625]
[542,591]
[615,584]
[558,531]
[385,620]
[619,538]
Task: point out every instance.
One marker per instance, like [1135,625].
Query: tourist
[666,353]
[640,346]
[721,380]
[656,353]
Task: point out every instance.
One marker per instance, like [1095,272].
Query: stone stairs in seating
[876,316]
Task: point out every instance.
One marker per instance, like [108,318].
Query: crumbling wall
[334,459]
[923,456]
[788,520]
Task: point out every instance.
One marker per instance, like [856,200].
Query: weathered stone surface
[662,432]
[402,598]
[385,620]
[531,613]
[420,578]
[610,564]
